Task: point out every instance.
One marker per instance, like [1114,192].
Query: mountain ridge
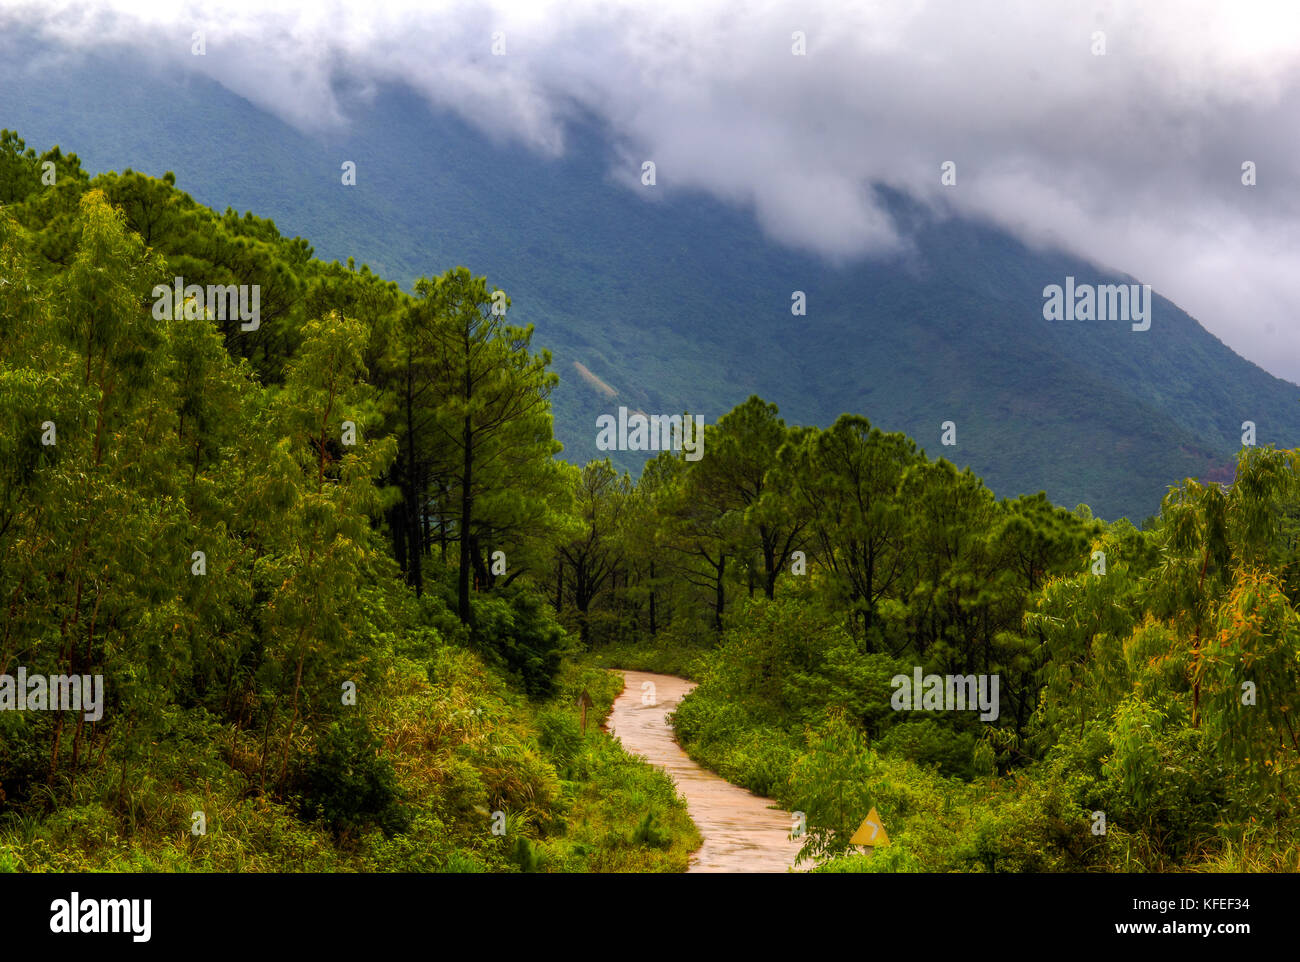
[683,304]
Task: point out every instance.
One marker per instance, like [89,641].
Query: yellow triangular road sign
[871,831]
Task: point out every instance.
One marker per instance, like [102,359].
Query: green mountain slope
[675,301]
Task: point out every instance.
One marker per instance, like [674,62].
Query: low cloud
[1132,159]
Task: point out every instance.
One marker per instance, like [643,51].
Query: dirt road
[741,833]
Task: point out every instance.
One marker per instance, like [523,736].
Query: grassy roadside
[684,662]
[1027,821]
[624,814]
[413,783]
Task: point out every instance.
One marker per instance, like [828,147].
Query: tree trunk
[770,569]
[415,573]
[652,599]
[720,598]
[466,509]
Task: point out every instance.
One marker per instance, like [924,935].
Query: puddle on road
[741,834]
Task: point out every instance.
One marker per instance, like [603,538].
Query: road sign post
[871,832]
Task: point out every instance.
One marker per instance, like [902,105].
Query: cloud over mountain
[1132,159]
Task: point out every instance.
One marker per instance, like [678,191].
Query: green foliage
[348,783]
[209,533]
[931,745]
[832,781]
[518,631]
[648,833]
[1131,660]
[234,526]
[663,657]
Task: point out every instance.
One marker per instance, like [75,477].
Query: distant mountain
[667,300]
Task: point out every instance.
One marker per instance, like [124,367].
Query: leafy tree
[491,414]
[593,558]
[846,479]
[324,495]
[731,480]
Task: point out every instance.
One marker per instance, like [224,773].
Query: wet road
[741,834]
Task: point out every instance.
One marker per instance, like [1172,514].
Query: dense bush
[348,783]
[516,629]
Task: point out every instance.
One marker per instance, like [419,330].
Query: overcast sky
[1132,158]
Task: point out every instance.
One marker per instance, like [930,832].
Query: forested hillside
[207,518]
[663,294]
[343,595]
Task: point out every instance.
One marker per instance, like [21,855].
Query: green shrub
[648,833]
[515,629]
[560,733]
[348,784]
[931,745]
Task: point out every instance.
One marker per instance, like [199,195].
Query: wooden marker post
[584,702]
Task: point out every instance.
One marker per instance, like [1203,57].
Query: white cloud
[1132,159]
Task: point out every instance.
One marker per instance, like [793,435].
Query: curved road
[741,833]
